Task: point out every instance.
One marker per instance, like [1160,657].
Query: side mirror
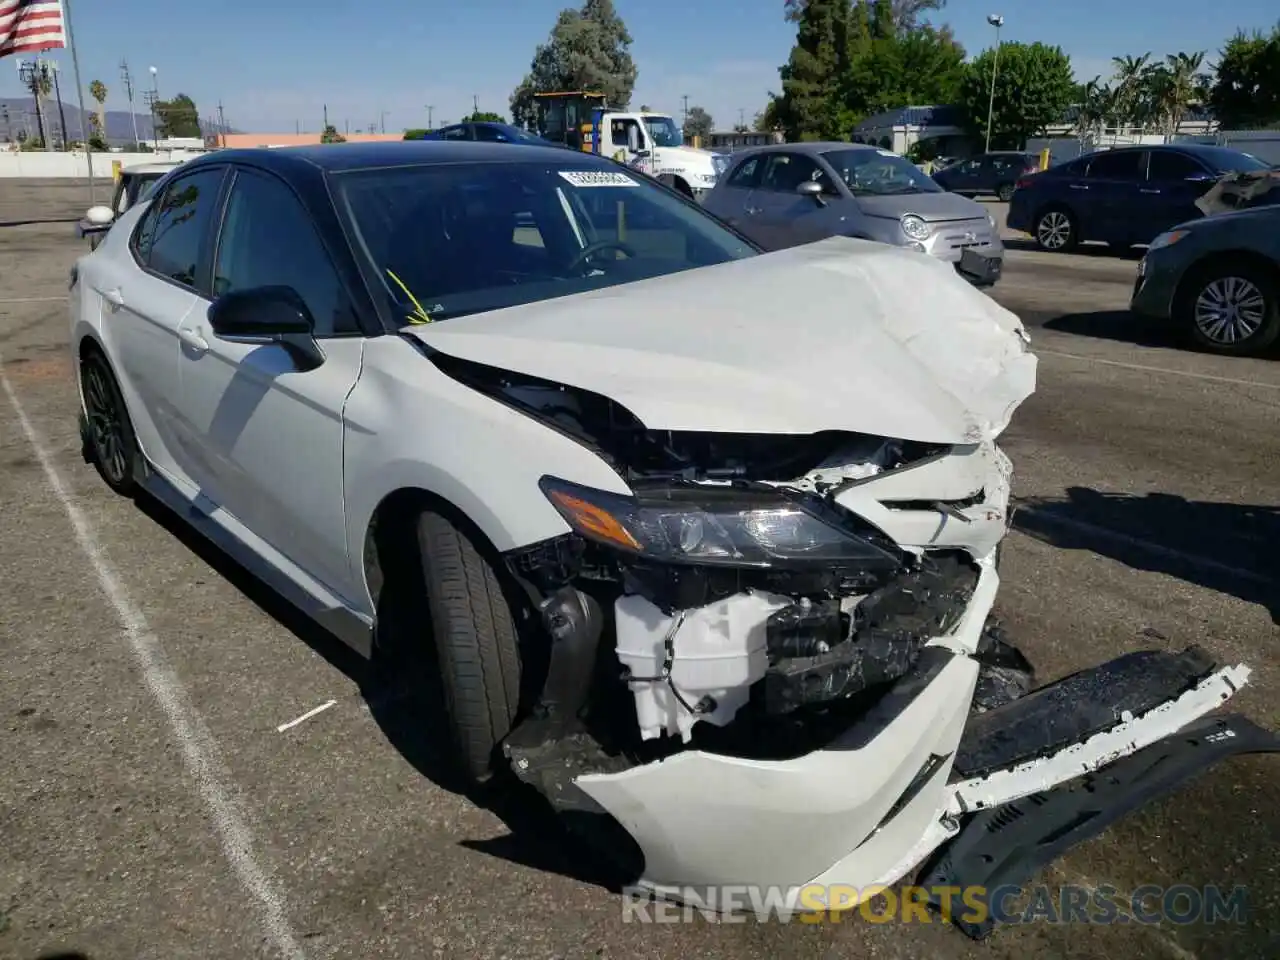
[99,216]
[812,188]
[268,315]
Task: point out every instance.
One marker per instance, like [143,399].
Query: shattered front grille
[882,639]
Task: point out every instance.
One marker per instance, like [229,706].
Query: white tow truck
[652,143]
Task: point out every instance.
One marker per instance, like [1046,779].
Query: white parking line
[1177,373]
[199,752]
[30,299]
[306,716]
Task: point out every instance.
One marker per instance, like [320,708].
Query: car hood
[838,335]
[928,206]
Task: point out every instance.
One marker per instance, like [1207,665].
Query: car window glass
[176,242]
[1123,165]
[1166,165]
[268,239]
[489,133]
[784,172]
[546,229]
[454,133]
[745,175]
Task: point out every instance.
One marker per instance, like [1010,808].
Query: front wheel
[1231,309]
[475,641]
[1055,230]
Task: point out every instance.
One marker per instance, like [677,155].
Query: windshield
[1226,160]
[879,173]
[449,240]
[664,131]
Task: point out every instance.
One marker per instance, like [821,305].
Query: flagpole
[75,65]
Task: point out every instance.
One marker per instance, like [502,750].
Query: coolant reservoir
[718,653]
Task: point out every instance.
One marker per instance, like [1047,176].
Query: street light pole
[997,21]
[155,104]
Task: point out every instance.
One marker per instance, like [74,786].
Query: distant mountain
[119,132]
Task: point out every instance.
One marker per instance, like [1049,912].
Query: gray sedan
[788,194]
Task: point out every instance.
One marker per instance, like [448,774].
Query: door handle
[1145,190]
[114,297]
[753,210]
[1078,186]
[193,339]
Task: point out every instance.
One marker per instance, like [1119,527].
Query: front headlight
[914,227]
[720,525]
[1166,239]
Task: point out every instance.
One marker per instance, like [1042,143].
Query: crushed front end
[773,662]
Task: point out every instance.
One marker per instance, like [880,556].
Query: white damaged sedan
[701,542]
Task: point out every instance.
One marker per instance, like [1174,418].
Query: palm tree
[98,90]
[1093,110]
[1129,85]
[1175,85]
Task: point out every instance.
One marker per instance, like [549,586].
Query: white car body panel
[723,349]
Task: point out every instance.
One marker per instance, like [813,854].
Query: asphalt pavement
[152,806]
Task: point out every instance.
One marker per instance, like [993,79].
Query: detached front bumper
[913,776]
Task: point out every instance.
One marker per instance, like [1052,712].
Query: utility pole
[57,95]
[430,109]
[29,71]
[685,98]
[997,21]
[742,117]
[222,126]
[127,79]
[382,121]
[152,98]
[475,104]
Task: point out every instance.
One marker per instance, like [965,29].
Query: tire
[110,442]
[1251,290]
[1004,192]
[475,641]
[1055,230]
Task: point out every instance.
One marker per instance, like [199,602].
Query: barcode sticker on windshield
[598,178]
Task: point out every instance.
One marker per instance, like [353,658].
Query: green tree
[588,49]
[905,14]
[811,78]
[177,117]
[1246,89]
[416,133]
[1033,89]
[1173,86]
[1094,102]
[890,68]
[330,134]
[481,116]
[768,120]
[698,123]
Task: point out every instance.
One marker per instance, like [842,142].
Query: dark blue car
[1124,197]
[491,131]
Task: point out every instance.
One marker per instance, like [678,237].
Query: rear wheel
[475,641]
[1231,308]
[110,440]
[1055,230]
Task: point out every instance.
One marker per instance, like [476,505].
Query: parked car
[701,541]
[788,194]
[991,174]
[1218,279]
[490,132]
[1124,197]
[133,185]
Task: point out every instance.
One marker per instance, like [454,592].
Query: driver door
[270,434]
[781,217]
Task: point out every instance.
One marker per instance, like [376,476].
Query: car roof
[337,157]
[813,146]
[159,166]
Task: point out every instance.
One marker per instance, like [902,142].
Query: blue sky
[274,63]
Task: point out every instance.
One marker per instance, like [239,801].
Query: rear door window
[1124,165]
[1167,165]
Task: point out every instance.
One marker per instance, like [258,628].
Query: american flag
[31,25]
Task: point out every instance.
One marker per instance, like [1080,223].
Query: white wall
[71,165]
